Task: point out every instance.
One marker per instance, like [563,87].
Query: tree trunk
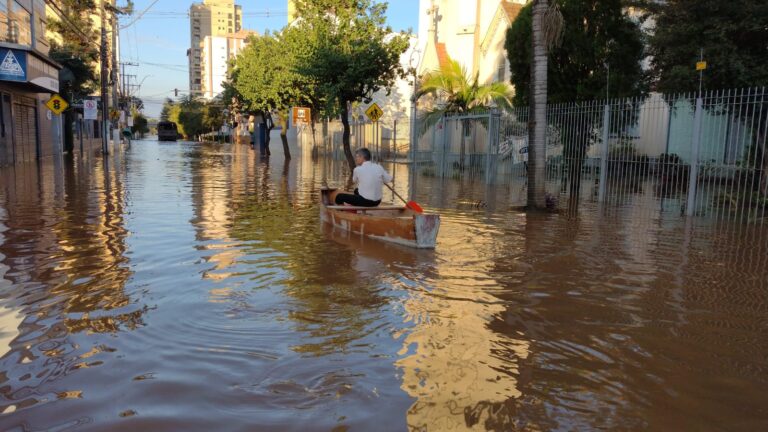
[313,125]
[537,125]
[284,136]
[268,129]
[345,135]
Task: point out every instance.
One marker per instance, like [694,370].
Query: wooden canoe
[395,224]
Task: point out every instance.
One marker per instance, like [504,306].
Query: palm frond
[429,119]
[461,93]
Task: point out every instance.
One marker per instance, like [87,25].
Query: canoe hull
[403,226]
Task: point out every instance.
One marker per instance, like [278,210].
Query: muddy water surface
[191,287]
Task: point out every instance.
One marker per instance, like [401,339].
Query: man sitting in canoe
[370,178]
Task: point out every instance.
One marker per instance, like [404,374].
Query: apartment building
[210,19]
[216,54]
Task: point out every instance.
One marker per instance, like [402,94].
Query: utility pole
[104,77]
[115,100]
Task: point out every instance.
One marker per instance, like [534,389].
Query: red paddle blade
[415,207]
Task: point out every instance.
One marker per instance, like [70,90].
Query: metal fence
[683,154]
[678,154]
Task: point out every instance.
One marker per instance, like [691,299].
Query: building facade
[470,32]
[216,54]
[28,77]
[210,19]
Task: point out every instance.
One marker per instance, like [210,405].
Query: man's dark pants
[355,200]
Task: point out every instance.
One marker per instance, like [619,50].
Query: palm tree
[456,93]
[547,29]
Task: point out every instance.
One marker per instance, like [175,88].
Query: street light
[413,62]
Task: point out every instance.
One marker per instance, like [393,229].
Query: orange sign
[301,115]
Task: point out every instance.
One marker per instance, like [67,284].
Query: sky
[159,40]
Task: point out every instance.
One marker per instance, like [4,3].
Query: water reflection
[191,287]
[65,271]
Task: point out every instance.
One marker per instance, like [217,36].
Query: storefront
[28,78]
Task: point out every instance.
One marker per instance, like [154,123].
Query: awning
[29,69]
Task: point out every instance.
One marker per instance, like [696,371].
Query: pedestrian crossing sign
[374,112]
[57,104]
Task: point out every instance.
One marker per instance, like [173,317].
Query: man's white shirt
[370,177]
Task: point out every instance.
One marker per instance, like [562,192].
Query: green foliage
[457,93]
[78,49]
[165,113]
[193,116]
[140,123]
[733,35]
[213,117]
[264,75]
[350,54]
[596,33]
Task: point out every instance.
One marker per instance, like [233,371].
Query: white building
[471,32]
[217,51]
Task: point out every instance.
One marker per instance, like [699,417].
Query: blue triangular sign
[10,65]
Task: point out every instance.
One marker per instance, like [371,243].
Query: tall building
[212,18]
[215,56]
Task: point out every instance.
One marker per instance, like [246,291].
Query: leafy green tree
[213,118]
[596,34]
[264,75]
[351,54]
[140,123]
[598,38]
[77,53]
[733,37]
[457,93]
[190,116]
[165,112]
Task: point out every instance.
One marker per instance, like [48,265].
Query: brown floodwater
[191,287]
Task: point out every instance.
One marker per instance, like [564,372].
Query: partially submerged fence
[680,154]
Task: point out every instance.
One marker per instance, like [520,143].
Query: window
[501,72]
[18,28]
[229,16]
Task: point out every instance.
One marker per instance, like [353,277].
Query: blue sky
[160,39]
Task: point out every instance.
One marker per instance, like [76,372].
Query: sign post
[90,110]
[374,113]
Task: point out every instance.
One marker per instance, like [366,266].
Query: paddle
[410,204]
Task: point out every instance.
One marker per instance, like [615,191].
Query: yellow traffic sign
[57,104]
[374,112]
[700,66]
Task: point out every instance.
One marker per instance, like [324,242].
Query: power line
[72,25]
[141,14]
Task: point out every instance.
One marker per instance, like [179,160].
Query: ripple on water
[190,287]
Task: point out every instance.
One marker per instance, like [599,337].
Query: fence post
[445,144]
[412,150]
[604,153]
[493,135]
[696,141]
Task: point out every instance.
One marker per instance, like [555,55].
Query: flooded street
[191,287]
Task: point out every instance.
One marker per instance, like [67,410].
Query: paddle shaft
[408,204]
